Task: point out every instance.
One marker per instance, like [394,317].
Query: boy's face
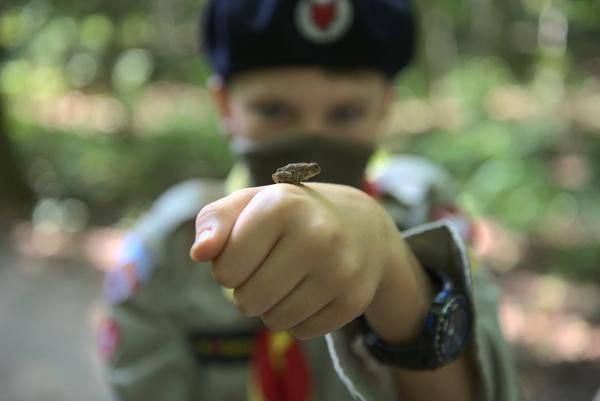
[286,102]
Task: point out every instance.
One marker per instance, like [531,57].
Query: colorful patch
[133,269]
[109,337]
[373,189]
[324,21]
[458,219]
[223,347]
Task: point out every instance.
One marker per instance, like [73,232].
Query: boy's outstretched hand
[312,258]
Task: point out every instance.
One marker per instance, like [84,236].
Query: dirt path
[47,314]
[46,334]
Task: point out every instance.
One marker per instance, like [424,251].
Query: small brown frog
[296,173]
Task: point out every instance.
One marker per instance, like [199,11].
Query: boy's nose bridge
[316,121]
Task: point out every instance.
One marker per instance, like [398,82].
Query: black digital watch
[446,332]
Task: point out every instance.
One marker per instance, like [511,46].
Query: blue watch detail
[446,332]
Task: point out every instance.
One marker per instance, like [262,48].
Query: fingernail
[203,236]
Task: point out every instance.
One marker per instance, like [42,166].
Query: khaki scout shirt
[159,297]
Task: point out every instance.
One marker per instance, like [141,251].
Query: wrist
[399,308]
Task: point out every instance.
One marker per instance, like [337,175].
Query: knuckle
[344,275]
[325,234]
[354,304]
[287,189]
[302,332]
[245,191]
[245,305]
[275,193]
[222,276]
[280,197]
[274,322]
[245,308]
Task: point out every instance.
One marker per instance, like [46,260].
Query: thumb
[215,222]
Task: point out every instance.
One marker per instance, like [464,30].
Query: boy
[384,315]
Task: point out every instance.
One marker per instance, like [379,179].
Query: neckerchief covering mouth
[342,162]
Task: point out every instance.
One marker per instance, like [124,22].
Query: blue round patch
[133,270]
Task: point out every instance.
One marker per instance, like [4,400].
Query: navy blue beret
[243,35]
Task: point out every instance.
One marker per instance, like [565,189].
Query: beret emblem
[324,21]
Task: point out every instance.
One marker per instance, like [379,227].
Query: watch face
[455,328]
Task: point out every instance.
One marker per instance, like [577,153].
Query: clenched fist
[312,258]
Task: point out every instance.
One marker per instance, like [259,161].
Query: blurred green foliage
[107,106]
[106,103]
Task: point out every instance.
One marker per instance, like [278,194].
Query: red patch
[109,337]
[372,189]
[323,14]
[460,221]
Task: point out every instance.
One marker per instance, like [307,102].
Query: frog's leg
[283,176]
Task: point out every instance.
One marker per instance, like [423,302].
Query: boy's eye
[273,110]
[345,114]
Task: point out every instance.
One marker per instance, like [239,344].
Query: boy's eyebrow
[354,99]
[261,100]
[268,99]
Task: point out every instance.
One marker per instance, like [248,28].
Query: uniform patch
[133,269]
[324,21]
[222,347]
[109,337]
[460,221]
[373,189]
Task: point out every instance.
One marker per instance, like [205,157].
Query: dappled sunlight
[499,247]
[550,317]
[97,247]
[157,111]
[513,103]
[572,171]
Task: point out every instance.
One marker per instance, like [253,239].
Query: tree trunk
[439,48]
[16,198]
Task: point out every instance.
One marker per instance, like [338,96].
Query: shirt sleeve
[437,245]
[143,339]
[144,352]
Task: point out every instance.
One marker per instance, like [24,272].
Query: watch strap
[426,351]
